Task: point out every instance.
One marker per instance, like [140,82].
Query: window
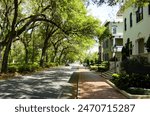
[131,23]
[149,9]
[125,24]
[114,30]
[139,14]
[141,45]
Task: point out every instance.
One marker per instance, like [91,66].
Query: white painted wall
[118,23]
[119,34]
[119,26]
[138,30]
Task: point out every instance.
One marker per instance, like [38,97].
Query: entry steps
[107,74]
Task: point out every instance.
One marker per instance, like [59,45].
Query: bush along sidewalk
[23,68]
[17,70]
[104,66]
[133,84]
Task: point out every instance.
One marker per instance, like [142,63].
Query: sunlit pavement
[93,86]
[49,84]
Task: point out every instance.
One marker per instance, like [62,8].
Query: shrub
[24,68]
[94,67]
[51,64]
[141,81]
[12,68]
[35,66]
[104,66]
[136,65]
[115,75]
[28,67]
[140,91]
[121,82]
[134,80]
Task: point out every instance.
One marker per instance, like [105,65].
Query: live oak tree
[49,31]
[114,2]
[16,24]
[74,21]
[64,14]
[18,17]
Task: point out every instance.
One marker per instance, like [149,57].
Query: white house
[137,28]
[112,46]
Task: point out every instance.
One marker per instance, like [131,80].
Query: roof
[117,20]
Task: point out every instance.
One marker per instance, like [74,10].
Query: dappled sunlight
[92,86]
[43,85]
[97,90]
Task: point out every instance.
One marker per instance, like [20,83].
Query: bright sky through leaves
[103,12]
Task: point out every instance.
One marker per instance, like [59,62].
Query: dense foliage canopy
[45,31]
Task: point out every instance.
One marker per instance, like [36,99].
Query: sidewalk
[92,86]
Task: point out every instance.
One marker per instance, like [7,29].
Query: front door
[141,46]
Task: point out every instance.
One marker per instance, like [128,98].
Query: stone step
[107,74]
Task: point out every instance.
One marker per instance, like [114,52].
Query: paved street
[49,84]
[59,83]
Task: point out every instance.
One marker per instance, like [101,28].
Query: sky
[103,13]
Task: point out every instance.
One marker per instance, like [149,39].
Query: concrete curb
[128,95]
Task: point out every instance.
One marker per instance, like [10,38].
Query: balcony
[117,49]
[118,35]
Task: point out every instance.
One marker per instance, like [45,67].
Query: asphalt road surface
[49,84]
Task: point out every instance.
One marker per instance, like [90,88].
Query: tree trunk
[10,39]
[33,51]
[53,57]
[5,56]
[26,55]
[55,54]
[47,57]
[48,36]
[43,54]
[59,59]
[60,56]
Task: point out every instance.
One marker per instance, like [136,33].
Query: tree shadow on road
[42,85]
